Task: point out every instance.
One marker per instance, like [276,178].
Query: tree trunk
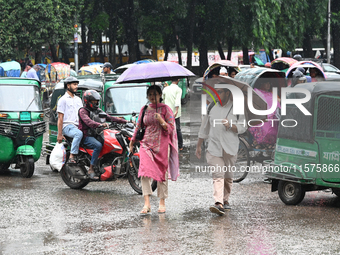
[120,53]
[37,56]
[166,53]
[178,49]
[307,46]
[191,22]
[220,50]
[204,63]
[245,55]
[336,35]
[230,49]
[65,52]
[101,55]
[53,53]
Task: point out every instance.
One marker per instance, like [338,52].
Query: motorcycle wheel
[27,168]
[136,183]
[73,183]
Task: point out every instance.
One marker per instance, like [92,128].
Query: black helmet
[70,79]
[91,95]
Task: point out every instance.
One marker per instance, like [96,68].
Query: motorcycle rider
[88,121]
[68,121]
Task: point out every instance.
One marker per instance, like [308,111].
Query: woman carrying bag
[158,148]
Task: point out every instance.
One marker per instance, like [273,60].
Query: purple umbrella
[154,71]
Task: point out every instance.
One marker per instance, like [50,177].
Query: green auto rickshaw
[307,154]
[22,124]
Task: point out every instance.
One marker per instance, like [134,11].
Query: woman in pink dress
[265,136]
[158,149]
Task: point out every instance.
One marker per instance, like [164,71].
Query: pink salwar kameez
[155,158]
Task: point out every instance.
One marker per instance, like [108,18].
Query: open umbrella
[258,102]
[154,71]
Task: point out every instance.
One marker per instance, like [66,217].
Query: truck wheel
[291,193]
[27,168]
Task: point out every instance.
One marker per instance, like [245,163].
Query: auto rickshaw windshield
[125,100]
[20,98]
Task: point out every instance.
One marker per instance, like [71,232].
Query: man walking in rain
[222,129]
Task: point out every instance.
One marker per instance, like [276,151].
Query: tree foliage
[167,24]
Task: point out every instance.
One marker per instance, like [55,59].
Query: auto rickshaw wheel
[336,191]
[291,193]
[4,167]
[27,166]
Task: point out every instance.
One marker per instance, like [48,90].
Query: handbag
[141,130]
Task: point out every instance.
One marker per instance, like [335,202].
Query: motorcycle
[114,160]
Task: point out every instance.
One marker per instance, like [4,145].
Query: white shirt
[220,138]
[172,96]
[69,106]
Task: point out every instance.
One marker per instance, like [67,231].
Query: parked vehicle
[11,68]
[283,64]
[308,66]
[307,156]
[22,124]
[332,72]
[247,154]
[55,72]
[113,162]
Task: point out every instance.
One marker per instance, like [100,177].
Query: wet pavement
[41,215]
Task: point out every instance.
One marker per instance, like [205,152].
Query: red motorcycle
[113,162]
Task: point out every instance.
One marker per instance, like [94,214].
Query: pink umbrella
[154,71]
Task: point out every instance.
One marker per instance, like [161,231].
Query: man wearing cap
[32,73]
[68,119]
[107,68]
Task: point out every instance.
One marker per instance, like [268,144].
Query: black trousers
[179,133]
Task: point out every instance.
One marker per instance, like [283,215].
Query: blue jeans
[72,131]
[94,144]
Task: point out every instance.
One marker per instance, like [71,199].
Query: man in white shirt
[172,96]
[68,119]
[222,147]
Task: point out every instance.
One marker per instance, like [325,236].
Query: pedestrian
[107,68]
[252,65]
[172,96]
[222,147]
[32,73]
[72,70]
[68,120]
[158,148]
[24,73]
[87,116]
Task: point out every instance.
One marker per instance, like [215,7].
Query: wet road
[41,215]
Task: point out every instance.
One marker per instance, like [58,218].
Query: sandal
[146,210]
[161,209]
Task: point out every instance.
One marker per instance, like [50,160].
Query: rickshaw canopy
[2,72]
[11,68]
[283,63]
[92,69]
[251,76]
[306,65]
[225,63]
[57,71]
[95,63]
